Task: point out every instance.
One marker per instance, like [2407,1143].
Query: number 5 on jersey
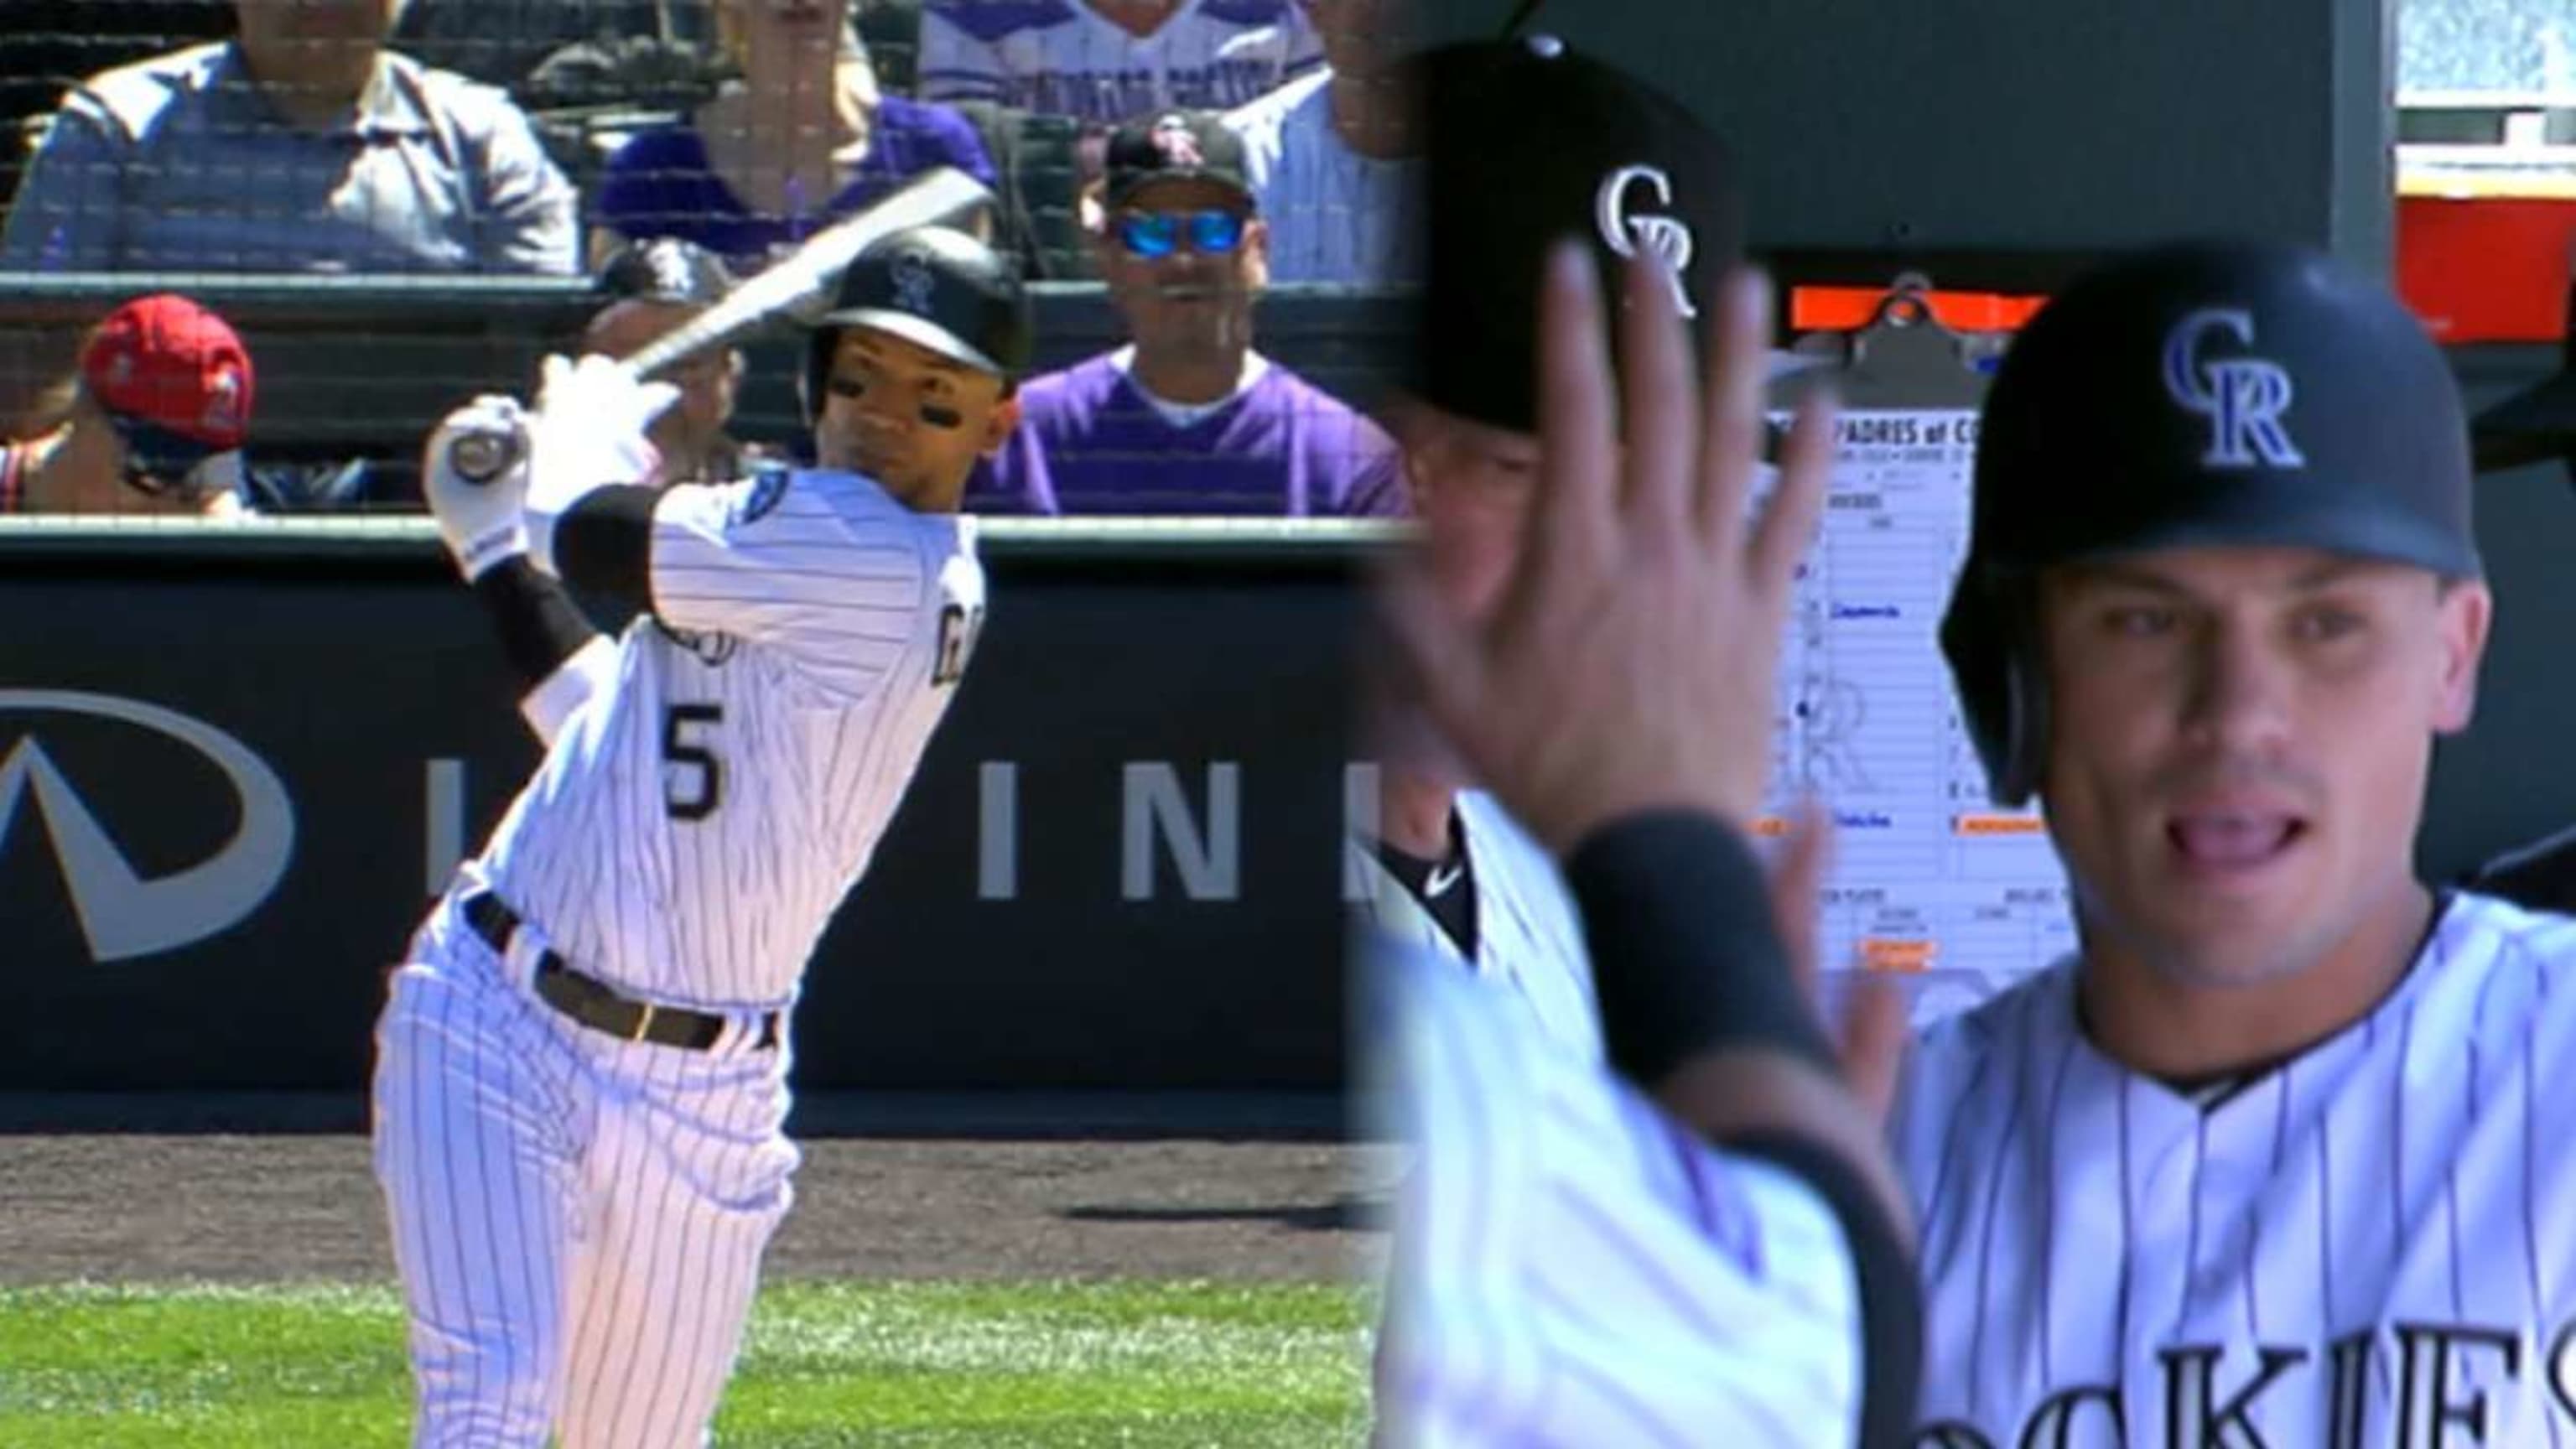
[692,776]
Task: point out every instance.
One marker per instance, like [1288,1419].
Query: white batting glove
[588,432]
[475,475]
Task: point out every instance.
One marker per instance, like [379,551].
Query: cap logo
[1666,236]
[223,400]
[1178,144]
[2243,397]
[669,270]
[913,283]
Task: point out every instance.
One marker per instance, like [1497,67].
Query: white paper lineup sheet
[1929,880]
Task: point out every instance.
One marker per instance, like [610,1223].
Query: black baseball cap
[663,269]
[1528,144]
[1174,145]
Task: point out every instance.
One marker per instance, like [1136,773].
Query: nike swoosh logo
[1442,878]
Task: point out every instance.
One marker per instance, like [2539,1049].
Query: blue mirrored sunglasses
[1153,234]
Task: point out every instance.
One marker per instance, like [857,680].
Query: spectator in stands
[802,139]
[1107,60]
[152,423]
[47,46]
[505,42]
[654,287]
[1331,153]
[1188,418]
[300,145]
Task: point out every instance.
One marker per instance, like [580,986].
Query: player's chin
[2229,961]
[2239,934]
[921,495]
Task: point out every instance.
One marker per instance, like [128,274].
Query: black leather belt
[596,1004]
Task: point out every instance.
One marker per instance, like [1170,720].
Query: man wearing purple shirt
[1187,418]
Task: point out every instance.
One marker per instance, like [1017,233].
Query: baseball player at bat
[2277,1158]
[1680,1225]
[581,1073]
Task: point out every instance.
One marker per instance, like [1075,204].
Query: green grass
[914,1365]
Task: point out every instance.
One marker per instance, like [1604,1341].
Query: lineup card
[1928,879]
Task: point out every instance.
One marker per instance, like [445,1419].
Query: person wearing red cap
[152,423]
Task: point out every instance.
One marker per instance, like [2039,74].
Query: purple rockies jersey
[1090,443]
[1062,57]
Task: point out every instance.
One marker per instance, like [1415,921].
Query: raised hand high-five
[1631,665]
[1622,697]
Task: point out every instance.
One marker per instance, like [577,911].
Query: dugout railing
[364,367]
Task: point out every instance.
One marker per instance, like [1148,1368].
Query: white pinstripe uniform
[1528,936]
[2371,1244]
[1573,1267]
[579,1219]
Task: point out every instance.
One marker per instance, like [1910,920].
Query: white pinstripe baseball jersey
[2373,1243]
[1528,937]
[1573,1267]
[695,826]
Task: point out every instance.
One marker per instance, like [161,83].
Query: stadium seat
[1037,161]
[891,30]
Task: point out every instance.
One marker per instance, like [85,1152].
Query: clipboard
[1925,872]
[1904,360]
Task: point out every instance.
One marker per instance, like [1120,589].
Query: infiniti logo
[122,914]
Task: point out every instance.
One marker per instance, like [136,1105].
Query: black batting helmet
[935,286]
[1528,143]
[2196,395]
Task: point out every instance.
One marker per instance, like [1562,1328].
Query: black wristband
[1685,956]
[604,544]
[539,625]
[1891,1292]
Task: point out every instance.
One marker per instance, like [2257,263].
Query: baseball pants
[578,1220]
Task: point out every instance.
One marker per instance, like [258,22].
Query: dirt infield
[256,1209]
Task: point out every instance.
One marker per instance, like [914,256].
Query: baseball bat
[798,281]
[809,273]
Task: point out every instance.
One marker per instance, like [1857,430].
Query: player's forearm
[536,621]
[1783,1111]
[1749,1099]
[1687,955]
[1699,1007]
[585,676]
[1695,986]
